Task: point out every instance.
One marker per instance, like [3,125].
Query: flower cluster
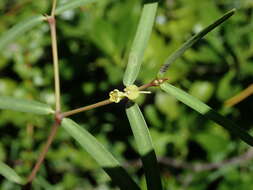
[131,92]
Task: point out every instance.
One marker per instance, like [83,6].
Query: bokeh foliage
[94,43]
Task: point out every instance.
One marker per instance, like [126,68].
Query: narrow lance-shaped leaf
[21,105]
[207,111]
[145,146]
[24,26]
[10,174]
[19,29]
[103,157]
[180,51]
[140,43]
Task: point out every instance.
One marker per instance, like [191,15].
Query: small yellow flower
[116,96]
[131,92]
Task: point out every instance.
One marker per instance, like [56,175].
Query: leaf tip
[231,12]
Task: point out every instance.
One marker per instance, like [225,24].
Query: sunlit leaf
[22,105]
[18,30]
[145,146]
[10,174]
[103,157]
[140,43]
[208,112]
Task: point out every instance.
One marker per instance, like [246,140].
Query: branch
[155,82]
[199,167]
[44,152]
[53,7]
[52,23]
[240,97]
[86,108]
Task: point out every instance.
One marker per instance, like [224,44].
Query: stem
[52,23]
[239,97]
[85,108]
[53,8]
[44,152]
[155,82]
[58,117]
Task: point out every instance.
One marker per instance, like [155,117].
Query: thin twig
[196,168]
[155,82]
[199,167]
[52,23]
[208,166]
[44,152]
[240,97]
[85,108]
[53,8]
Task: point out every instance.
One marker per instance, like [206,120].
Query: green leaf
[71,5]
[103,157]
[19,29]
[25,105]
[180,51]
[24,26]
[140,43]
[145,146]
[208,112]
[10,174]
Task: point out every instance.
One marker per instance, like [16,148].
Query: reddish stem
[44,152]
[155,82]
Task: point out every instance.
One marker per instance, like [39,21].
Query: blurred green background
[94,42]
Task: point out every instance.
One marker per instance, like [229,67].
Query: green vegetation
[101,46]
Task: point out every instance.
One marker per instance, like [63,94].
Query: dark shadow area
[197,152]
[27,186]
[121,178]
[150,1]
[151,169]
[230,126]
